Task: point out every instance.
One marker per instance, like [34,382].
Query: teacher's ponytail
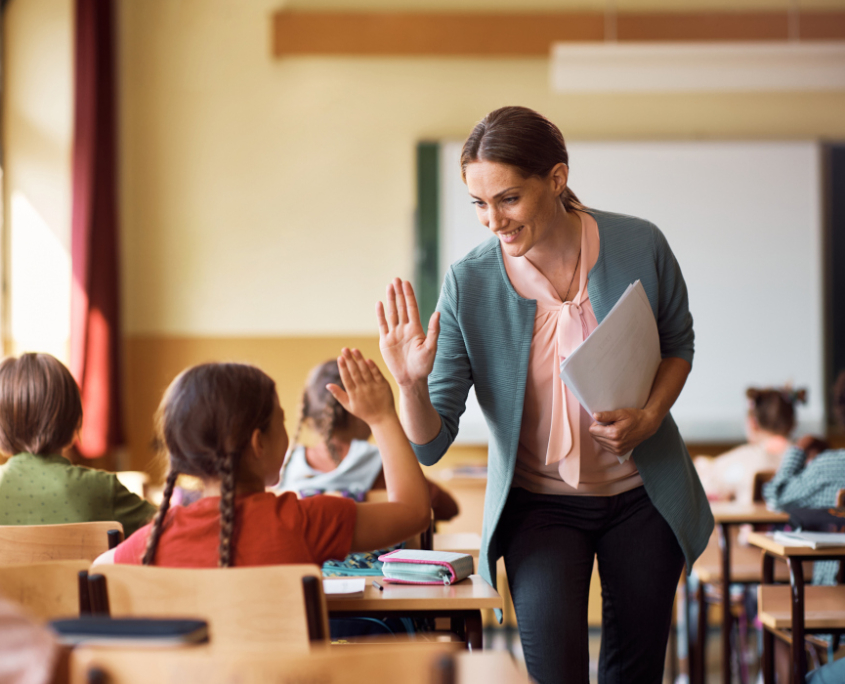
[522,138]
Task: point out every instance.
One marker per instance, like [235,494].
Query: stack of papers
[614,367]
[347,588]
[812,540]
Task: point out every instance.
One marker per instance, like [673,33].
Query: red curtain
[95,323]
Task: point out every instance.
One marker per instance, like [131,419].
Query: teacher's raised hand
[407,350]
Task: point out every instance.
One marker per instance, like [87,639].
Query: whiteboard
[744,220]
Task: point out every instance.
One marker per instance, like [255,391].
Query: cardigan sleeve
[674,321]
[450,379]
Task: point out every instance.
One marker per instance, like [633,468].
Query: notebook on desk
[811,540]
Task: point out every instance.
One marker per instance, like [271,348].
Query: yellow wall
[265,203]
[276,197]
[37,130]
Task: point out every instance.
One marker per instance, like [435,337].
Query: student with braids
[223,423]
[342,460]
[768,427]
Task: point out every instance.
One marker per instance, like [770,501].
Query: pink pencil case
[414,566]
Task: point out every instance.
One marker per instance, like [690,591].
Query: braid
[331,417]
[227,508]
[303,415]
[155,532]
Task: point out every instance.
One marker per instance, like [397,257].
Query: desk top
[473,593]
[765,541]
[459,542]
[736,513]
[823,606]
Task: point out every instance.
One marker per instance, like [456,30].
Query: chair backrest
[38,543]
[761,477]
[263,605]
[840,498]
[414,663]
[48,590]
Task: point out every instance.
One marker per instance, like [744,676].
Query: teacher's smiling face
[522,212]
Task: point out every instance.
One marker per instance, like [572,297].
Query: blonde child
[40,414]
[223,423]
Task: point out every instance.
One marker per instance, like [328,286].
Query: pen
[376,584]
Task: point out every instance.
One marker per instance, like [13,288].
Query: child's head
[40,406]
[772,410]
[220,422]
[323,412]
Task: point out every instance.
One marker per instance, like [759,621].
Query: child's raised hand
[367,394]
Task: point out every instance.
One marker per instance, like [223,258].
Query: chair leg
[96,676]
[311,589]
[114,537]
[84,595]
[701,637]
[444,670]
[99,595]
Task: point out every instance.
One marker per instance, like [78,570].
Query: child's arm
[408,509]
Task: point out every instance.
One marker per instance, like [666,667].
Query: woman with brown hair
[558,496]
[40,414]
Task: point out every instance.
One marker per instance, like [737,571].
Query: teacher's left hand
[624,429]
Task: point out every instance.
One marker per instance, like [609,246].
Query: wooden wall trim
[522,34]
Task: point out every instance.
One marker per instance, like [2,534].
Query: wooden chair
[48,590]
[413,663]
[245,607]
[761,477]
[73,541]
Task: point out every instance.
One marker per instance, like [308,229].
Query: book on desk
[812,540]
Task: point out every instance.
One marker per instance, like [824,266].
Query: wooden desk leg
[725,547]
[799,654]
[768,663]
[474,630]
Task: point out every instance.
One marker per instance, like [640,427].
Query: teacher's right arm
[432,370]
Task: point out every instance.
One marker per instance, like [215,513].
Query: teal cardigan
[485,339]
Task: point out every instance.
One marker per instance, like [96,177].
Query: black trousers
[549,544]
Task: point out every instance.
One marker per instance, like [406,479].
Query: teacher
[557,495]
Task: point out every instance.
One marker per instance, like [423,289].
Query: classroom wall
[37,130]
[265,203]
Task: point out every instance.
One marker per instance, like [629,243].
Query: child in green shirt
[40,413]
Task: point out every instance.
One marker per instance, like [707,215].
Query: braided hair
[206,421]
[320,409]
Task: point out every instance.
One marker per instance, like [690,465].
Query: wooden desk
[727,514]
[811,609]
[462,602]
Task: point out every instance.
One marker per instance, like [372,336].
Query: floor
[504,639]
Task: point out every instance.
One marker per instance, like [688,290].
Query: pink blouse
[556,453]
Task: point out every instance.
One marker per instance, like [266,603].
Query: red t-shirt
[269,530]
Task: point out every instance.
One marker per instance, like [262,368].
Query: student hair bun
[774,407]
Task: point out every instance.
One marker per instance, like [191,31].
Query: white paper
[344,587]
[614,367]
